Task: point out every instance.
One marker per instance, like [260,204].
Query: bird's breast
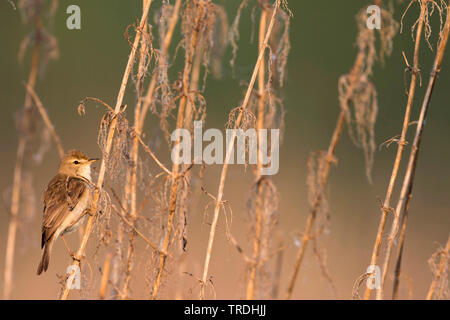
[73,219]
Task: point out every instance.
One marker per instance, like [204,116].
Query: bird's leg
[67,247]
[89,211]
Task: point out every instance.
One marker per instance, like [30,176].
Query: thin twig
[147,149]
[131,225]
[46,119]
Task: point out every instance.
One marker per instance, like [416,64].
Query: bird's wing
[60,197]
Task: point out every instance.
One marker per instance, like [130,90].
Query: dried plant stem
[47,121]
[117,260]
[150,152]
[259,126]
[401,144]
[184,192]
[329,158]
[223,175]
[438,274]
[105,276]
[195,75]
[112,127]
[15,198]
[401,211]
[398,264]
[130,187]
[176,167]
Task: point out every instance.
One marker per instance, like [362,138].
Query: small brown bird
[66,201]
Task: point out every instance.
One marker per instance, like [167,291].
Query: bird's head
[76,163]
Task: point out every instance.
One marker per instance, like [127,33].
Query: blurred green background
[91,63]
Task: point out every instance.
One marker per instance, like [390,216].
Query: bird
[66,201]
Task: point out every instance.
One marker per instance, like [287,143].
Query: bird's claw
[75,257]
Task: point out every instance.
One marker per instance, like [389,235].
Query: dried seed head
[234,32]
[317,196]
[440,258]
[356,90]
[118,159]
[262,207]
[81,109]
[219,40]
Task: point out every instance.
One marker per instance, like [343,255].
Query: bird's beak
[93,159]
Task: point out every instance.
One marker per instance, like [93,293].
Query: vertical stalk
[15,198]
[259,127]
[105,276]
[176,166]
[184,192]
[400,146]
[130,188]
[401,211]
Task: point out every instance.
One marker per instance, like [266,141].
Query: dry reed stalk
[99,186]
[209,47]
[15,197]
[443,266]
[117,260]
[105,276]
[148,99]
[400,144]
[193,86]
[259,127]
[189,52]
[184,192]
[130,187]
[242,109]
[401,211]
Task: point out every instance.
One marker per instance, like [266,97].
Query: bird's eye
[76,162]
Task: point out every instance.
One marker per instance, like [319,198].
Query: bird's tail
[43,265]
